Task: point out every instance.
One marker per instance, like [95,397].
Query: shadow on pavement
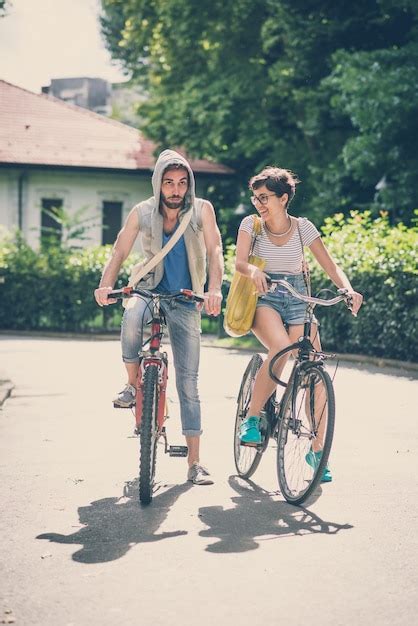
[113,525]
[19,396]
[257,515]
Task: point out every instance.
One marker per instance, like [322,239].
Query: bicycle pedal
[178,450]
[117,406]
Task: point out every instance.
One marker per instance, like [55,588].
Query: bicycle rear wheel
[306,427]
[149,434]
[247,458]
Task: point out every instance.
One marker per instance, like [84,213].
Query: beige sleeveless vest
[151,234]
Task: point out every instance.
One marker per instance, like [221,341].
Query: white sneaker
[126,398]
[199,475]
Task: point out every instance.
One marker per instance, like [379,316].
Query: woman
[279,319]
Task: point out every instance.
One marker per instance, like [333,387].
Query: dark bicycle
[151,387]
[302,422]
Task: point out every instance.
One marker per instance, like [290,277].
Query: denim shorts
[291,310]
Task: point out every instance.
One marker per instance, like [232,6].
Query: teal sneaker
[250,430]
[312,459]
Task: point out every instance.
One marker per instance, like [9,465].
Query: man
[155,220]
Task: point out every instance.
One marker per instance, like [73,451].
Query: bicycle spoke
[305,434]
[246,458]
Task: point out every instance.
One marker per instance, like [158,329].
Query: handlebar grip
[347,299]
[188,293]
[117,294]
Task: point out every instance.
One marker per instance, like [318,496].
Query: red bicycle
[151,406]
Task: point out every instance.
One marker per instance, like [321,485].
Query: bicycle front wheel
[305,433]
[149,434]
[247,458]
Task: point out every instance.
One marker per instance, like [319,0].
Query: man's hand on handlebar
[101,296]
[213,301]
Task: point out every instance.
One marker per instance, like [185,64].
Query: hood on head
[170,157]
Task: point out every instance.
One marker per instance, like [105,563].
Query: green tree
[255,82]
[378,91]
[203,73]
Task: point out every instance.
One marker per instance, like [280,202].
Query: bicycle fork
[162,408]
[161,364]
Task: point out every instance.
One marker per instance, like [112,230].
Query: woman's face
[267,202]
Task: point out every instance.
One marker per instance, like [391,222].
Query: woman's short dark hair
[276,179]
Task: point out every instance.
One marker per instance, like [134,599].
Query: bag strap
[305,265]
[255,232]
[139,272]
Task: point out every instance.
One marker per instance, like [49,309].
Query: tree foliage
[381,262]
[328,89]
[65,280]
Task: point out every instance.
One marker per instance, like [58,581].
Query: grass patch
[248,342]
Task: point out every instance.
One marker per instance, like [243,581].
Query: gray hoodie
[151,226]
[170,157]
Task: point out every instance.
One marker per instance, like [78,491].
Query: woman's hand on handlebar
[259,279]
[101,294]
[354,301]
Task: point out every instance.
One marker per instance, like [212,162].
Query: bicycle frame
[151,387]
[307,355]
[302,421]
[153,357]
[306,351]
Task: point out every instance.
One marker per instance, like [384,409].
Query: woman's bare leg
[270,331]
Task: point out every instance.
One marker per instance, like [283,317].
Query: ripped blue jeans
[183,322]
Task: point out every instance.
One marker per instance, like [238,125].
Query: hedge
[53,288]
[381,263]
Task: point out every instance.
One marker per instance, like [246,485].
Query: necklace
[279,234]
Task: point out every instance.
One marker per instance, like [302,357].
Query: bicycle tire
[305,418]
[247,458]
[149,434]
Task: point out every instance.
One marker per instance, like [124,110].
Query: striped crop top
[287,258]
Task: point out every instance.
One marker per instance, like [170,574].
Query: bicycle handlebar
[311,299]
[304,342]
[129,292]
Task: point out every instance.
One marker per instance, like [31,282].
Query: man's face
[174,186]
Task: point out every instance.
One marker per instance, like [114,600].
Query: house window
[51,229]
[112,221]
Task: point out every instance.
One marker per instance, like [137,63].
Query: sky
[45,39]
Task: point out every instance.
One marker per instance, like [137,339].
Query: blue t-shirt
[176,268]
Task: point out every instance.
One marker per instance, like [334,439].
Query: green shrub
[381,263]
[53,288]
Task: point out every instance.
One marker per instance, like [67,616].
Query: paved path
[77,549]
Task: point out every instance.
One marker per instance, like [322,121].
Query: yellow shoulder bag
[242,296]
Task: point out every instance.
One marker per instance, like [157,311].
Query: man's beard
[173,202]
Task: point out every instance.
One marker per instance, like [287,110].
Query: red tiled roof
[37,129]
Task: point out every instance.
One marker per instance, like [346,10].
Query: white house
[54,154]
